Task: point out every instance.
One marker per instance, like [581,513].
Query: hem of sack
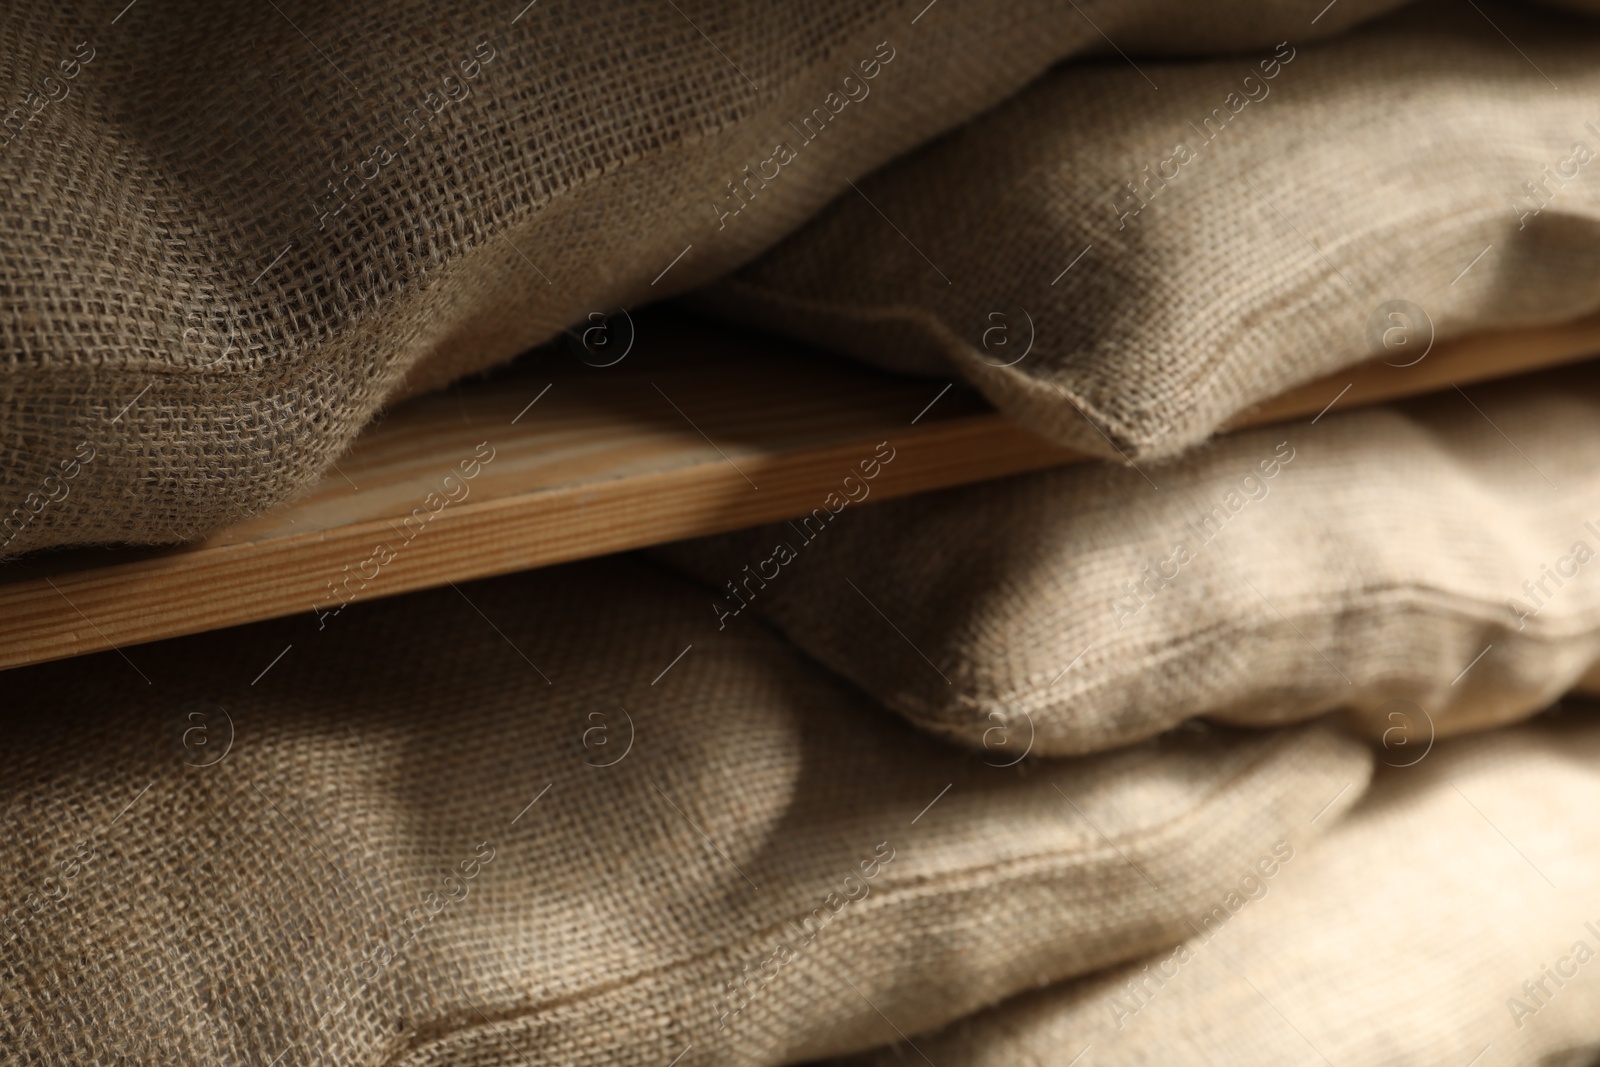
[1202,379]
[974,877]
[1000,389]
[1444,603]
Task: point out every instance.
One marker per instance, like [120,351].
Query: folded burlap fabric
[240,228]
[1451,918]
[1124,270]
[1431,565]
[557,818]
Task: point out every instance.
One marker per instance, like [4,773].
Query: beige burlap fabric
[557,818]
[1452,918]
[1123,270]
[237,229]
[1434,566]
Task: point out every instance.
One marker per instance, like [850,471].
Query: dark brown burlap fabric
[1450,918]
[1433,565]
[1124,270]
[557,818]
[237,229]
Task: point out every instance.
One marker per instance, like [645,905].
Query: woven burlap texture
[1123,269]
[1433,566]
[238,229]
[556,818]
[1451,918]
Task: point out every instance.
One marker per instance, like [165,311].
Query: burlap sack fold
[1433,566]
[1452,918]
[556,818]
[1124,270]
[238,229]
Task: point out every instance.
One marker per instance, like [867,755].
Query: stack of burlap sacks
[1216,752]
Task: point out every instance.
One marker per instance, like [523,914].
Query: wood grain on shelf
[699,430]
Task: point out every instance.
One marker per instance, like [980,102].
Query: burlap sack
[1452,918]
[1434,566]
[557,818]
[237,229]
[1123,270]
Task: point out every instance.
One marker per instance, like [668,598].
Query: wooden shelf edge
[212,585]
[163,596]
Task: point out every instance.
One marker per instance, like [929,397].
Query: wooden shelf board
[698,431]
